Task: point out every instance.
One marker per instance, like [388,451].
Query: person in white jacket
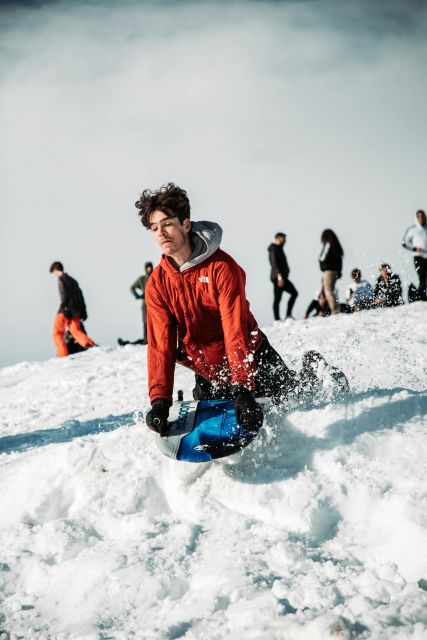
[359,294]
[415,239]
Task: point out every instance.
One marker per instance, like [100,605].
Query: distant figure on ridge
[330,260]
[359,294]
[198,316]
[319,305]
[388,289]
[70,313]
[280,275]
[138,291]
[415,239]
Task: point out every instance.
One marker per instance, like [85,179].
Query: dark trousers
[278,292]
[421,269]
[272,377]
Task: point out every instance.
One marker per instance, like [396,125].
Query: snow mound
[317,530]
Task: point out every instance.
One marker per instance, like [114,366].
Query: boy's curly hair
[170,199]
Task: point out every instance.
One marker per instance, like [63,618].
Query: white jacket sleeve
[408,239]
[324,251]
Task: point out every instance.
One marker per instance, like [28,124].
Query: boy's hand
[248,412]
[157,418]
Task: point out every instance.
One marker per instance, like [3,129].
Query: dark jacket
[391,290]
[140,284]
[330,258]
[279,264]
[72,300]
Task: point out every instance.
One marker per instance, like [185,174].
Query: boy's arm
[162,345]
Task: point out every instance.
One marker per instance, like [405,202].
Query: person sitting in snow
[198,316]
[319,305]
[359,294]
[388,289]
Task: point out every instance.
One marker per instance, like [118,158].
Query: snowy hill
[318,530]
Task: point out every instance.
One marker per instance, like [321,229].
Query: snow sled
[203,430]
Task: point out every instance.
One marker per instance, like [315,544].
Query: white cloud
[290,116]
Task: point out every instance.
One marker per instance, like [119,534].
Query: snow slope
[317,530]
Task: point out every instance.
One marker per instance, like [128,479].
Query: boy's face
[170,234]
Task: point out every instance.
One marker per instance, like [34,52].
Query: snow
[317,530]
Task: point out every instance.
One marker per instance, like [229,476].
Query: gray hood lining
[205,238]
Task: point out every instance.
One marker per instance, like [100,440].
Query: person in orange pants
[74,326]
[70,313]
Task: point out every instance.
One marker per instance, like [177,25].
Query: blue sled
[201,431]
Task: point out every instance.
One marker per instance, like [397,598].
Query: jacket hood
[205,237]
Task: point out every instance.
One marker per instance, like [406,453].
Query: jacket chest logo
[204,279]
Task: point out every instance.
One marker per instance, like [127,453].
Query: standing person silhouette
[138,291]
[415,239]
[280,275]
[70,313]
[330,260]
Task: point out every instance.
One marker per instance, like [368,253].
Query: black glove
[248,412]
[157,417]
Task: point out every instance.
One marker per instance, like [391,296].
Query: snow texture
[317,530]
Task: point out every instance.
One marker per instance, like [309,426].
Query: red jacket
[200,317]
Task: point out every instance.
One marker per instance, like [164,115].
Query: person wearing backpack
[71,312]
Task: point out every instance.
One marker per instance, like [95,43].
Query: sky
[274,116]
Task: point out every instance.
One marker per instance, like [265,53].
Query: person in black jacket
[330,260]
[280,275]
[70,313]
[138,291]
[388,289]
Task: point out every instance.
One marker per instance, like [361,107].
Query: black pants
[278,292]
[273,377]
[421,269]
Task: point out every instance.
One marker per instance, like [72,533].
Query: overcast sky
[290,116]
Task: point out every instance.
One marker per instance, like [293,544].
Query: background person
[70,313]
[359,295]
[415,239]
[280,275]
[138,291]
[319,305]
[330,261]
[388,289]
